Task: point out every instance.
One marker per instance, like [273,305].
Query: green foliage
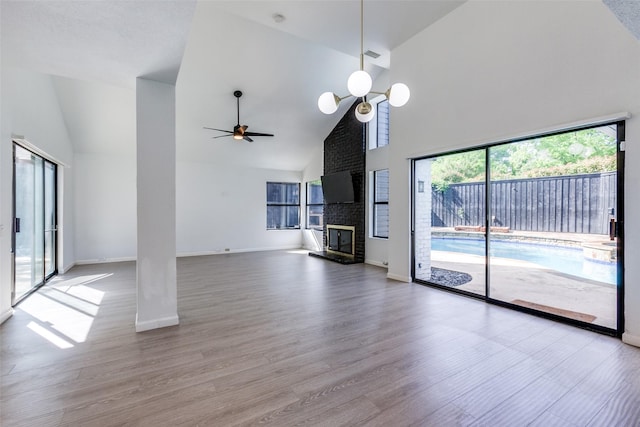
[456,168]
[570,153]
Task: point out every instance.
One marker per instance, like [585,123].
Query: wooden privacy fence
[574,204]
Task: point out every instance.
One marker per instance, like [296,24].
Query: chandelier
[359,86]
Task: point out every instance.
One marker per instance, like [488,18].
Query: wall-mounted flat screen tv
[338,187]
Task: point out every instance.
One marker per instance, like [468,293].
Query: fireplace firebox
[341,240]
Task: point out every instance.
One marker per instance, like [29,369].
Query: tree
[576,152]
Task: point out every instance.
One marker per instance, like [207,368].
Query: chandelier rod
[359,85]
[361,34]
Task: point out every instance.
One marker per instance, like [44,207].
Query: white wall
[312,239]
[30,108]
[496,70]
[224,207]
[105,207]
[218,207]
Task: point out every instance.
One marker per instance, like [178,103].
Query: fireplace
[341,240]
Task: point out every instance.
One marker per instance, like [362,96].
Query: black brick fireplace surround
[345,150]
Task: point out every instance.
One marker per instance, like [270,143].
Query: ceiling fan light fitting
[239,131]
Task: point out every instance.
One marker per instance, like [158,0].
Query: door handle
[17,225]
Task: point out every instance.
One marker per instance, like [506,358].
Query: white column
[422,206]
[157,301]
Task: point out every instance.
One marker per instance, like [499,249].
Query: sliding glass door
[449,233]
[532,224]
[34,231]
[553,200]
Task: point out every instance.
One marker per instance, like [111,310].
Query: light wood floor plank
[283,339]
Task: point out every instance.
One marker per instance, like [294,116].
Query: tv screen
[338,187]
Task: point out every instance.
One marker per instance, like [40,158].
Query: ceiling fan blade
[219,130]
[239,131]
[221,136]
[258,134]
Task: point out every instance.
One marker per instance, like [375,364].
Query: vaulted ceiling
[96,49]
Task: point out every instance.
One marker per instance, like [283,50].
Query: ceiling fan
[239,132]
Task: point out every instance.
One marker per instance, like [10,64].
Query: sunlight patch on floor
[64,310]
[74,286]
[49,336]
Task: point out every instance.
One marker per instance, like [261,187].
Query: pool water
[563,259]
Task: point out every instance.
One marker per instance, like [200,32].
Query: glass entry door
[34,228]
[535,224]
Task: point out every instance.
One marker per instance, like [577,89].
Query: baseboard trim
[164,322]
[185,254]
[235,251]
[633,340]
[399,278]
[104,260]
[6,315]
[67,268]
[376,263]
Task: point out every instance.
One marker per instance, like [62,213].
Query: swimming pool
[563,259]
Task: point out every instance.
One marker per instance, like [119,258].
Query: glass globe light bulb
[365,112]
[359,83]
[398,94]
[328,102]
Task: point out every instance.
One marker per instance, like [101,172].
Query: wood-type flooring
[282,339]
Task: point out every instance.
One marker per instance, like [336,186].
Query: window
[315,205]
[382,123]
[381,203]
[283,205]
[379,127]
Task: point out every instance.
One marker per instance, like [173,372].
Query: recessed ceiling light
[278,18]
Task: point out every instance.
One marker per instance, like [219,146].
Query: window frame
[373,125]
[284,205]
[376,203]
[307,205]
[620,123]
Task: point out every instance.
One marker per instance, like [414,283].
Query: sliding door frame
[620,286]
[16,299]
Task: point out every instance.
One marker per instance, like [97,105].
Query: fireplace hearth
[340,244]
